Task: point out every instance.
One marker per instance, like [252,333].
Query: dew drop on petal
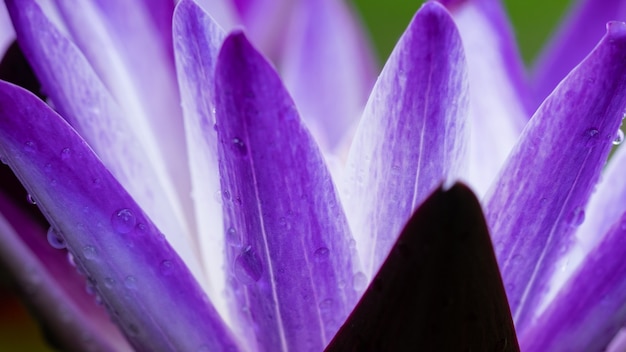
[130,282]
[30,199]
[326,304]
[66,153]
[166,267]
[89,252]
[70,259]
[577,217]
[359,281]
[240,146]
[321,254]
[55,239]
[592,132]
[248,268]
[29,146]
[619,138]
[123,221]
[109,282]
[232,237]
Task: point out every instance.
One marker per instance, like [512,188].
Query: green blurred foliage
[533,22]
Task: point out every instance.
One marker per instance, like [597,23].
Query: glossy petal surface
[197,42]
[288,251]
[540,196]
[412,135]
[591,308]
[438,290]
[328,69]
[146,287]
[83,100]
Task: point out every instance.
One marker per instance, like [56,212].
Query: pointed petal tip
[616,30]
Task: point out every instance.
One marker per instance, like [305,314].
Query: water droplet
[240,146]
[29,146]
[66,153]
[232,237]
[89,252]
[359,281]
[166,267]
[619,138]
[70,259]
[55,239]
[30,199]
[123,220]
[577,217]
[226,195]
[592,132]
[321,254]
[109,282]
[248,268]
[130,282]
[326,304]
[218,197]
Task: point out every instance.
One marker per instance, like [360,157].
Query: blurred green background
[533,21]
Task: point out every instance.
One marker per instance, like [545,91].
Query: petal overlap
[581,116]
[144,284]
[412,135]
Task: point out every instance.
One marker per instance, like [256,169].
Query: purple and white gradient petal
[145,286]
[539,199]
[412,135]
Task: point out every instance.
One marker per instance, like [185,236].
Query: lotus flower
[255,217]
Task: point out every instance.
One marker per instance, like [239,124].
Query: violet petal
[578,35]
[129,46]
[288,241]
[498,88]
[328,68]
[540,196]
[83,100]
[197,40]
[590,309]
[412,135]
[144,284]
[438,290]
[50,285]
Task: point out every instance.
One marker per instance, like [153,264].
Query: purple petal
[438,290]
[50,285]
[605,208]
[540,196]
[498,89]
[288,239]
[80,96]
[328,68]
[577,36]
[146,287]
[591,308]
[197,42]
[412,135]
[129,46]
[7,34]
